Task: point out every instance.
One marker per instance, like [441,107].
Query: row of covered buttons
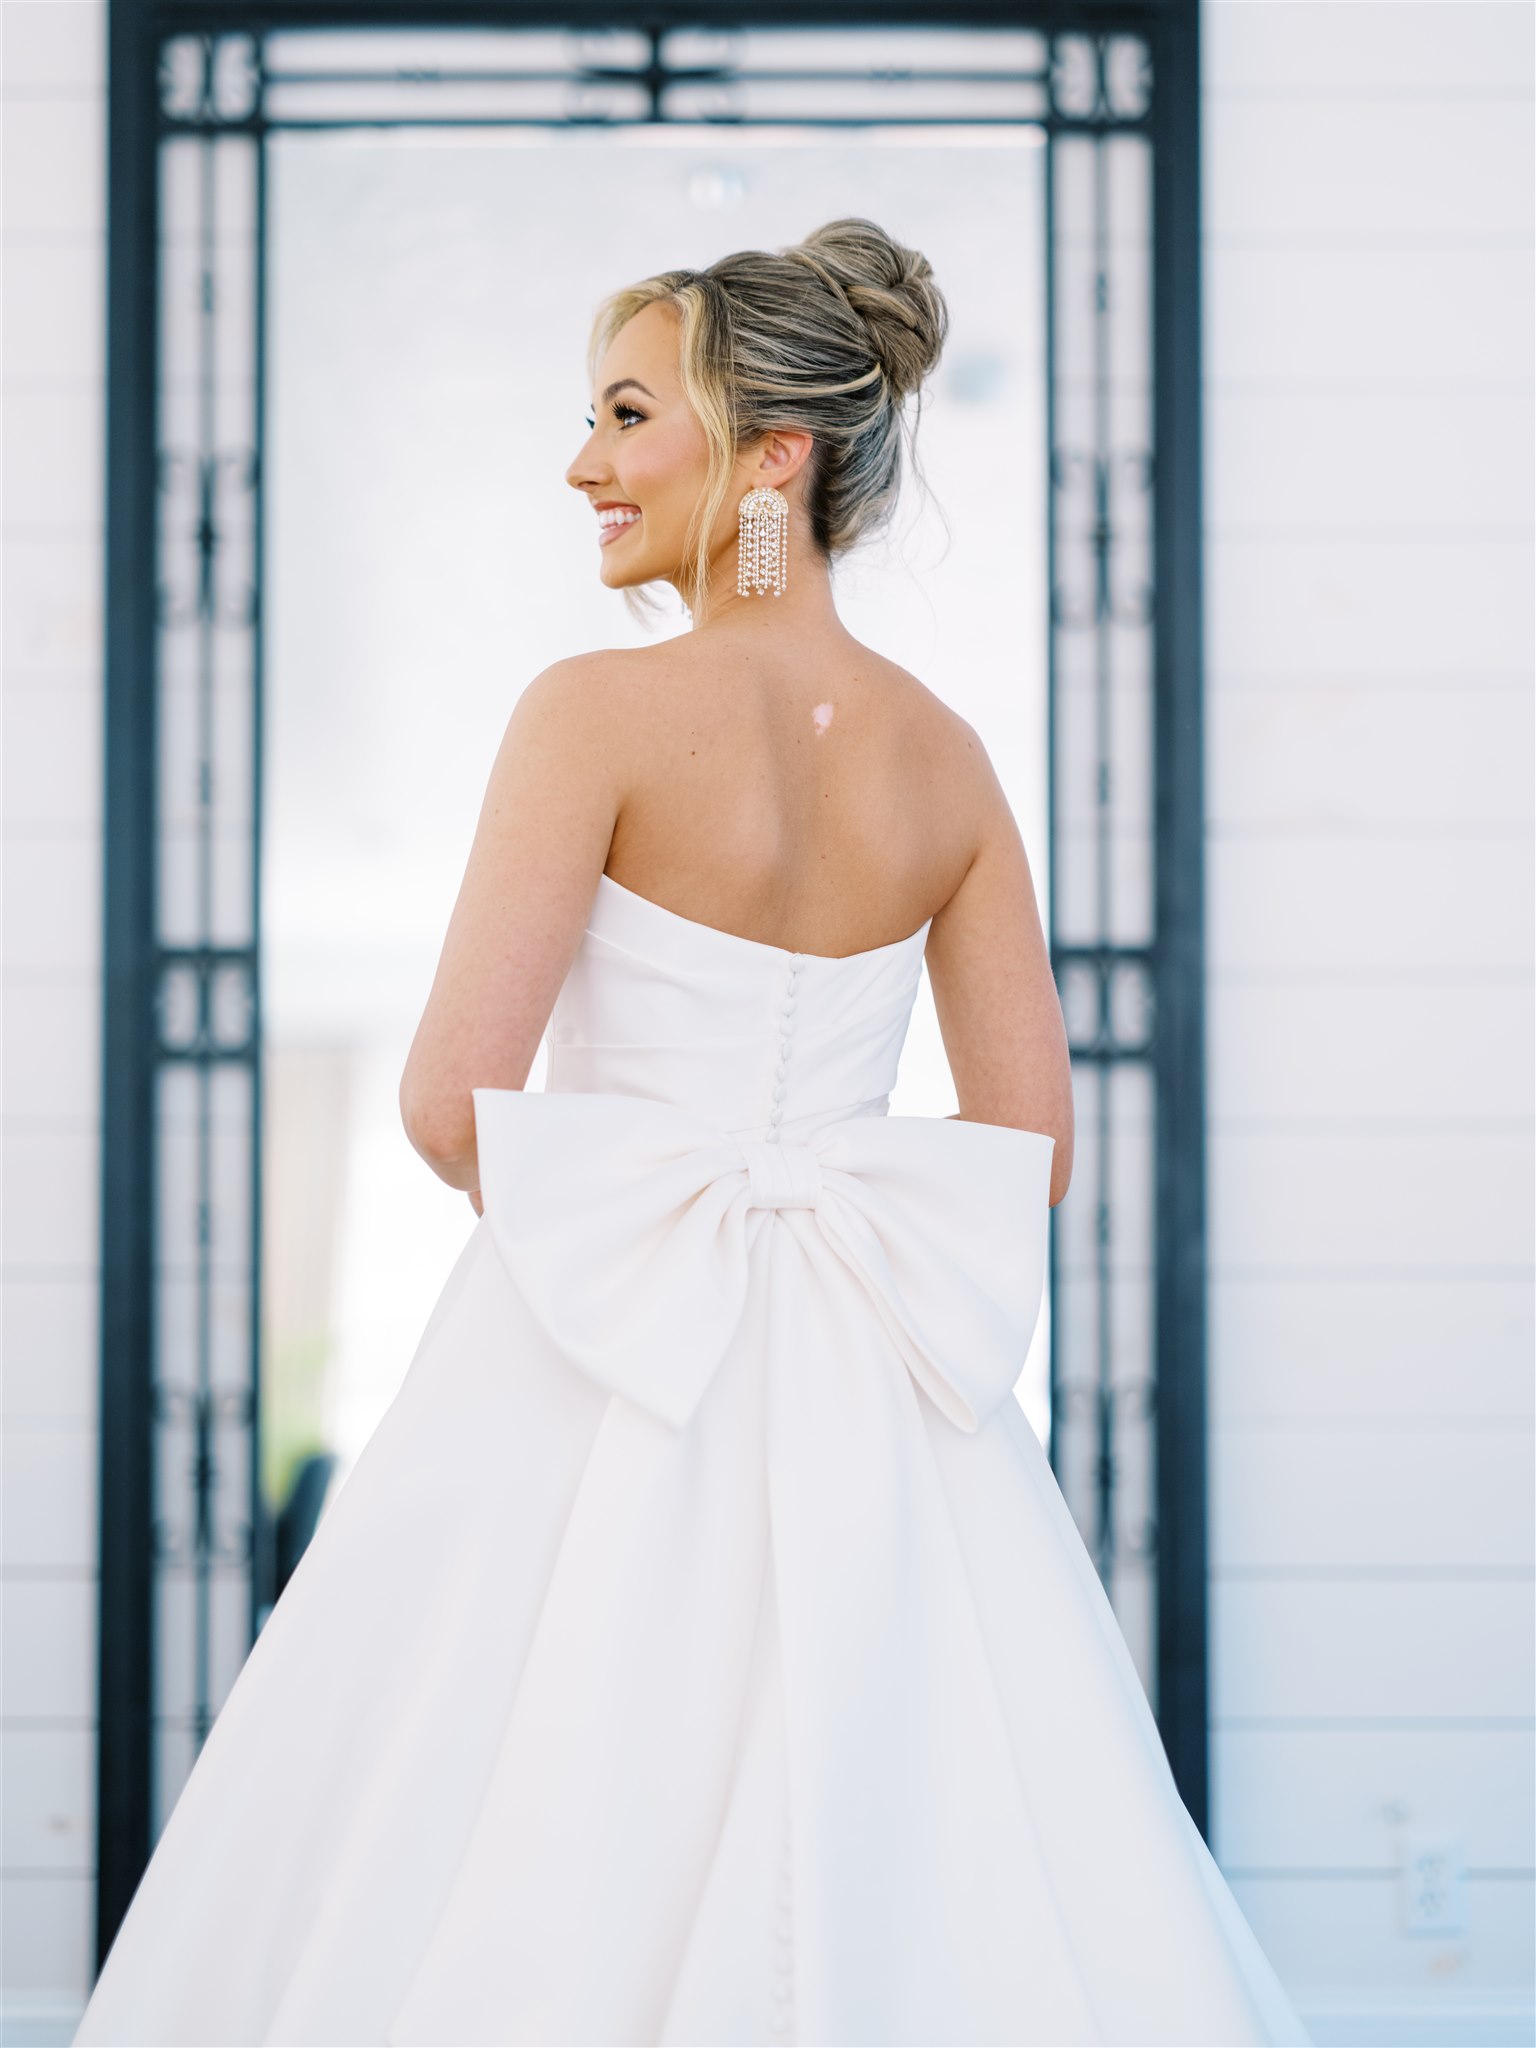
[786,1025]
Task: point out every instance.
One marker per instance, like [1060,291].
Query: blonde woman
[701,1650]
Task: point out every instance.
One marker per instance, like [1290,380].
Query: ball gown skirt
[701,1649]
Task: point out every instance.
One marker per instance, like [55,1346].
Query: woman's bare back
[830,804]
[830,808]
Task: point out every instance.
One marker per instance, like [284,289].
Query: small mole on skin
[821,718]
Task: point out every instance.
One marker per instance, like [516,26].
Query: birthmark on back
[821,718]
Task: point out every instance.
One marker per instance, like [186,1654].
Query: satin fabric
[701,1650]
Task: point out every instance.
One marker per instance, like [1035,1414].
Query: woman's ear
[784,453]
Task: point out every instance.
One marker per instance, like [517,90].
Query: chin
[624,577]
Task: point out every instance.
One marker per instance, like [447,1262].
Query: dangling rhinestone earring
[762,549]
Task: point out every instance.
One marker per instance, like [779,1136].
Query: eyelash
[619,410]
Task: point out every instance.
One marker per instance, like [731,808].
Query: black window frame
[1174,964]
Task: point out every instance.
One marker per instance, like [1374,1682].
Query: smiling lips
[613,522]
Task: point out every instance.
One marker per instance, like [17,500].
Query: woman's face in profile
[646,456]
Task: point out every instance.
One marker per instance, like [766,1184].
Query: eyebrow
[614,389]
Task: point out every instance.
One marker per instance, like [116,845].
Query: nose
[582,473]
[782,1176]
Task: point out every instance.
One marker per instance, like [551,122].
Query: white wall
[1368,360]
[1368,342]
[53,225]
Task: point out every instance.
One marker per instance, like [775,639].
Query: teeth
[614,517]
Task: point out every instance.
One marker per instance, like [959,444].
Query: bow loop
[611,1211]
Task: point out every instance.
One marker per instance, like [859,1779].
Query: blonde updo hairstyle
[832,335]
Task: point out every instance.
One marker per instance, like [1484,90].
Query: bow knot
[623,1223]
[780,1175]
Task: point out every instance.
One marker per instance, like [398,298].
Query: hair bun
[890,288]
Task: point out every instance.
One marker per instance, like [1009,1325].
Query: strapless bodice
[759,1039]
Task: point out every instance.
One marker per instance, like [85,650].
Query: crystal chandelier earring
[762,549]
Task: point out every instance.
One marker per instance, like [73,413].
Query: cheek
[661,468]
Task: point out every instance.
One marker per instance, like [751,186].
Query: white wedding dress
[701,1649]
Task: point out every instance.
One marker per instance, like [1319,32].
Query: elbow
[441,1128]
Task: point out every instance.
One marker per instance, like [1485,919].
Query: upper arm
[993,989]
[541,842]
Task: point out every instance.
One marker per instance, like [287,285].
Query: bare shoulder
[579,684]
[614,691]
[951,759]
[582,714]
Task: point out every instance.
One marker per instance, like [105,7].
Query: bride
[701,1650]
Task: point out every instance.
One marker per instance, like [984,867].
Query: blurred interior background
[333,656]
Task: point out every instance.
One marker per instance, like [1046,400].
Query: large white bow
[612,1210]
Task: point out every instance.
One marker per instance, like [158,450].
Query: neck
[806,601]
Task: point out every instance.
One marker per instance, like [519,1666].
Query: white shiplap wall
[1367,252]
[53,227]
[1368,287]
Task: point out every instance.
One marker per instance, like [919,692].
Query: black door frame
[136,964]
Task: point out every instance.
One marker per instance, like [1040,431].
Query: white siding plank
[1404,1052]
[50,1921]
[48,1515]
[1339,1798]
[1309,903]
[1360,168]
[1371,1648]
[1441,606]
[1367,318]
[53,49]
[1343,1933]
[1330,1200]
[52,1184]
[54,311]
[49,1669]
[52,1054]
[50,1370]
[1433,48]
[53,758]
[1292,753]
[51,466]
[1370,459]
[1369,1351]
[50,1808]
[54,155]
[52,896]
[1433,1499]
[51,620]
